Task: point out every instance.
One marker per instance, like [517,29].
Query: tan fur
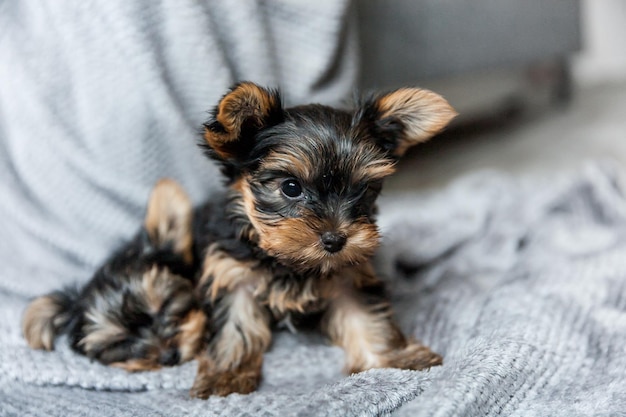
[296,241]
[233,363]
[360,332]
[156,287]
[422,112]
[190,338]
[137,365]
[246,329]
[159,285]
[225,273]
[153,284]
[413,356]
[375,170]
[169,217]
[365,168]
[250,232]
[368,333]
[247,102]
[282,299]
[243,380]
[38,323]
[99,329]
[246,333]
[292,163]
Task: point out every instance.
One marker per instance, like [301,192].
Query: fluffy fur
[139,311]
[295,233]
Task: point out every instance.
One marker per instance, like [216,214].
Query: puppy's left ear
[168,220]
[405,117]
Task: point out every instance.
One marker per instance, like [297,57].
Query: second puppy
[139,311]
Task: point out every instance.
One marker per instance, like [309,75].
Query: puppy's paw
[224,383]
[413,356]
[137,365]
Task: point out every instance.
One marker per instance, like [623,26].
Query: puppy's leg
[359,319]
[235,354]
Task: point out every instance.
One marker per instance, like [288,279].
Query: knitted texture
[520,285]
[100,99]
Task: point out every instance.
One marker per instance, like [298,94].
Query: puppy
[295,233]
[139,311]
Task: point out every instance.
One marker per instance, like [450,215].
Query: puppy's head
[309,176]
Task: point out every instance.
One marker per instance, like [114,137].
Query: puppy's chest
[283,292]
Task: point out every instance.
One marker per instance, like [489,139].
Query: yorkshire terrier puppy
[295,233]
[139,311]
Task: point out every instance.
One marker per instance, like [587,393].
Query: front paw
[413,356]
[224,383]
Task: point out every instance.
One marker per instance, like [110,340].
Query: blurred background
[540,85]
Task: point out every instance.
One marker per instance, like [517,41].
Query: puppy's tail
[48,316]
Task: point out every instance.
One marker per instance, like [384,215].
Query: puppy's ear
[168,221]
[240,114]
[405,117]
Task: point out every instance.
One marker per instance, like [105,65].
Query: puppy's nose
[333,242]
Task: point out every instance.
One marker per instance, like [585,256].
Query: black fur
[115,285]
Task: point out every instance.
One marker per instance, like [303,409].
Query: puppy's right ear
[239,116]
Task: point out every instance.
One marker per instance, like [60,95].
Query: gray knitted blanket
[521,286]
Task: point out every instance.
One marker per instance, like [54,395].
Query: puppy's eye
[291,188]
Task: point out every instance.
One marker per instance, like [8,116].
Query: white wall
[603,58]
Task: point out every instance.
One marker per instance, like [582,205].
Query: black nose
[169,357]
[333,242]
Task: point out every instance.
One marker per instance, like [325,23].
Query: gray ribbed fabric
[99,99]
[520,285]
[522,288]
